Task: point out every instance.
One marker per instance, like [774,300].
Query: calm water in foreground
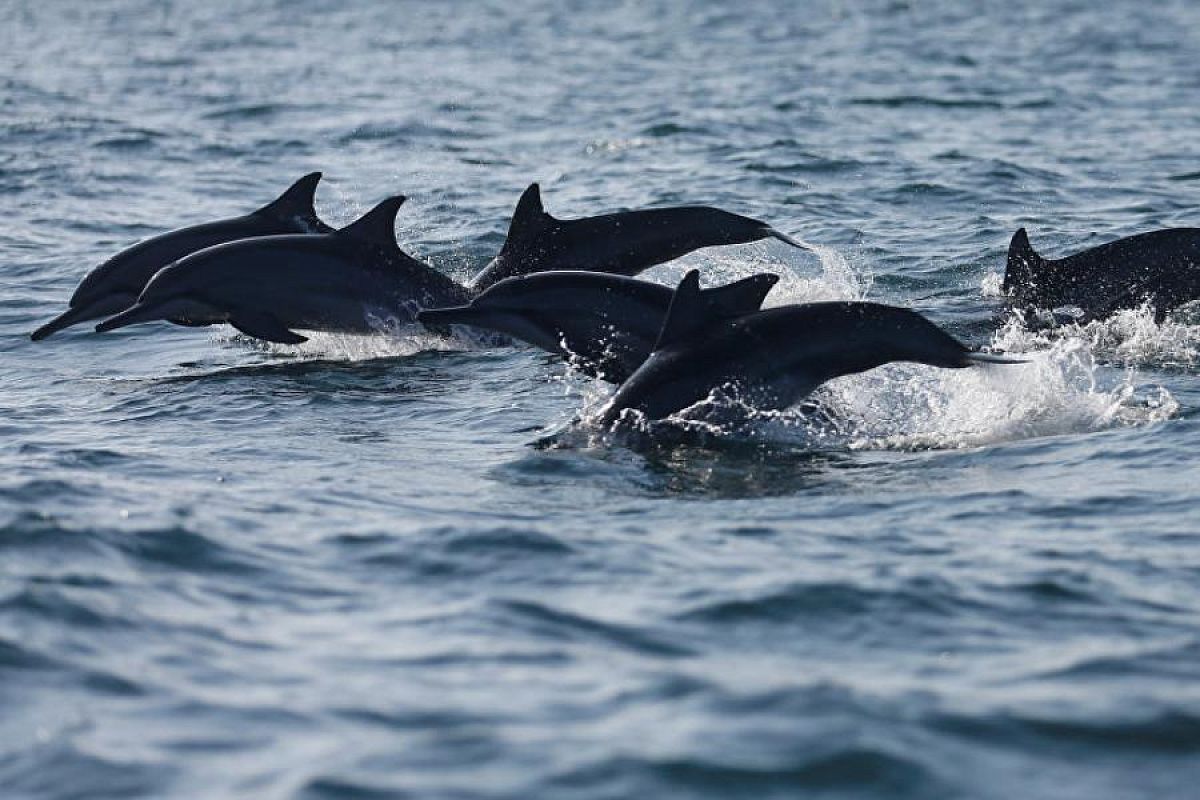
[396,567]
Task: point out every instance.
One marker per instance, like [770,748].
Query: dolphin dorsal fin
[687,314]
[739,298]
[296,202]
[529,218]
[1019,249]
[377,226]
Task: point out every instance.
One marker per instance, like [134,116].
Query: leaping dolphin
[624,243]
[1161,267]
[614,243]
[265,287]
[115,285]
[774,357]
[605,324]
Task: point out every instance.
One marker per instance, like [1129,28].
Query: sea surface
[407,567]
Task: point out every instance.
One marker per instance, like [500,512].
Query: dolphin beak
[783,237]
[73,316]
[64,320]
[131,316]
[988,358]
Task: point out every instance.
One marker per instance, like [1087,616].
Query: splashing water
[1061,388]
[393,340]
[1064,386]
[902,406]
[839,279]
[1129,337]
[992,285]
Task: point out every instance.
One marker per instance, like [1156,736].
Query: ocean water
[398,566]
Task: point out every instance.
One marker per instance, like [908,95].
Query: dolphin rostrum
[775,357]
[115,285]
[605,324]
[624,243]
[1161,267]
[265,287]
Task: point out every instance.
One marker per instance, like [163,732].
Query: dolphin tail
[82,313]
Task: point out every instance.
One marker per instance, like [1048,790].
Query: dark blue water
[356,569]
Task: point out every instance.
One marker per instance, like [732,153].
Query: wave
[860,770]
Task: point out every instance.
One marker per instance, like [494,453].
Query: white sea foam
[392,341]
[991,285]
[1065,386]
[1127,338]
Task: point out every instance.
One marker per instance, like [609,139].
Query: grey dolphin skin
[115,285]
[267,286]
[624,243]
[605,324]
[1161,267]
[775,357]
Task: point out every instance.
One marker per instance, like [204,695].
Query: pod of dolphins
[568,286]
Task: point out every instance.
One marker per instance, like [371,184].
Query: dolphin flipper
[262,325]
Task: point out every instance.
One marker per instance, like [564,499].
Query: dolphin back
[1160,267]
[624,243]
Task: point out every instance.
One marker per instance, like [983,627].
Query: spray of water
[1078,377]
[1066,385]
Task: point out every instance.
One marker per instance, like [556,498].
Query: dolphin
[1161,267]
[775,357]
[265,287]
[115,285]
[605,324]
[624,243]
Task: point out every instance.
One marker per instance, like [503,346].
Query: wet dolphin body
[624,243]
[1161,267]
[115,285]
[606,324]
[775,357]
[265,287]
